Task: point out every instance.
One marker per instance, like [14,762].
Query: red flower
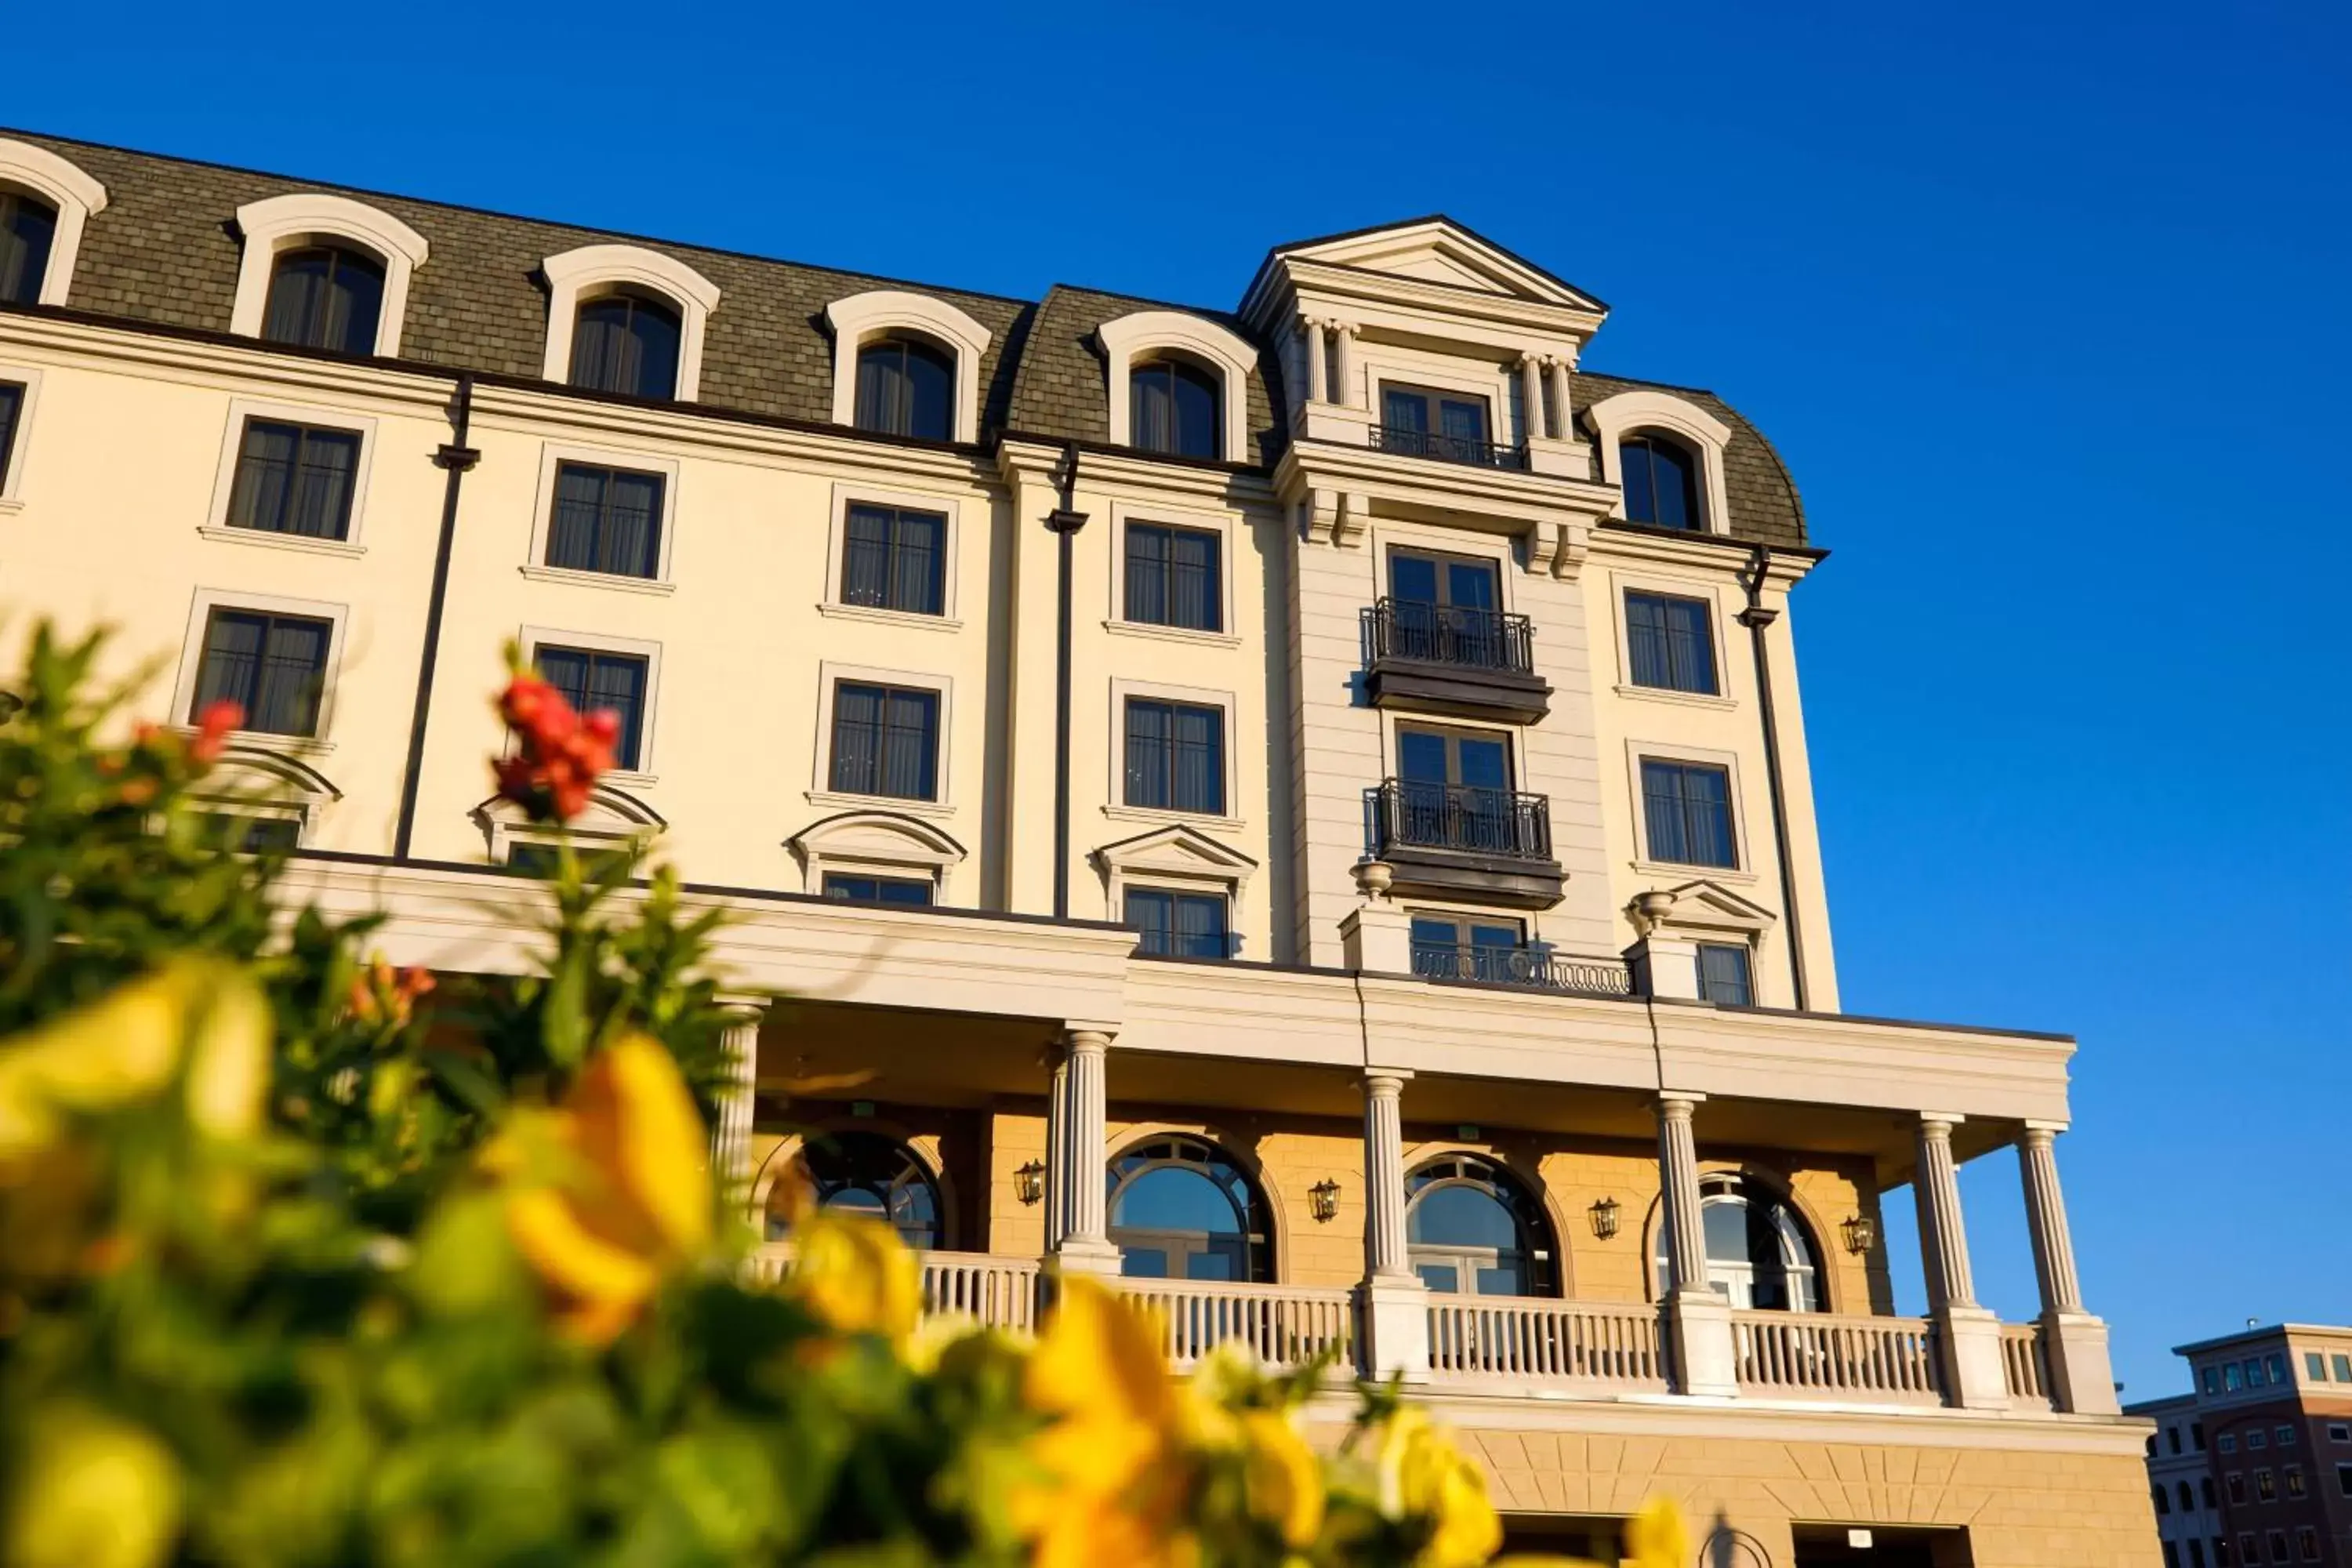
[559,756]
[213,727]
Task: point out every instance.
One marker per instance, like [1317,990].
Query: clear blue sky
[2044,305]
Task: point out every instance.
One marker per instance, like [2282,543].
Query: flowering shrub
[309,1260]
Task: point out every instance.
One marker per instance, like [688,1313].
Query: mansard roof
[165,251]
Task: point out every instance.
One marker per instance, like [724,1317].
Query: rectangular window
[2172,1438]
[592,679]
[2284,1435]
[2339,1431]
[12,409]
[2257,1438]
[2265,1485]
[2171,1554]
[2307,1542]
[294,479]
[858,889]
[545,861]
[2344,1480]
[2233,1380]
[274,667]
[1671,642]
[1723,977]
[2278,1546]
[2196,1553]
[1180,925]
[2228,1443]
[2273,1369]
[1687,808]
[2197,1435]
[2250,1550]
[1175,756]
[1426,423]
[2291,1478]
[1175,577]
[245,834]
[2315,1366]
[895,559]
[2212,1381]
[2253,1371]
[2236,1483]
[1447,947]
[2343,1365]
[885,740]
[607,520]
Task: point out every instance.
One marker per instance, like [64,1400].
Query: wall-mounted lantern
[1029,1182]
[1604,1218]
[1861,1233]
[1323,1201]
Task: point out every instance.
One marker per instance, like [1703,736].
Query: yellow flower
[1654,1537]
[96,1493]
[1422,1475]
[607,1195]
[1285,1478]
[855,1274]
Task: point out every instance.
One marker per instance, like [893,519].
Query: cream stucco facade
[1645,1037]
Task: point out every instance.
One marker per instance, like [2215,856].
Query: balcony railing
[1283,1325]
[2025,1365]
[1448,448]
[1469,818]
[1000,1293]
[1533,966]
[1450,634]
[1529,1341]
[1814,1355]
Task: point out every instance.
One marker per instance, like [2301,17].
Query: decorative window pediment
[880,313]
[1177,854]
[614,820]
[268,787]
[1628,413]
[1144,336]
[871,842]
[1439,250]
[1703,909]
[279,225]
[593,272]
[70,194]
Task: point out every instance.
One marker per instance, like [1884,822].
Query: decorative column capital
[2040,1134]
[1938,1124]
[1679,1105]
[1087,1042]
[1386,1083]
[742,1007]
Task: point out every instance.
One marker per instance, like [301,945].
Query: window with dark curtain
[1723,974]
[274,667]
[1661,481]
[906,388]
[627,344]
[1180,925]
[1688,808]
[1174,577]
[324,297]
[605,519]
[243,834]
[1172,407]
[885,740]
[1176,757]
[592,679]
[1672,643]
[856,890]
[12,409]
[27,228]
[893,559]
[293,479]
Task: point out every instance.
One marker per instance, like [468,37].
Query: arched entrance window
[1759,1252]
[863,1174]
[1471,1229]
[1180,1209]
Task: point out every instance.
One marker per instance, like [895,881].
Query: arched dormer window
[1665,455]
[627,320]
[324,271]
[1179,384]
[1181,1208]
[1472,1229]
[893,355]
[905,387]
[44,202]
[1759,1252]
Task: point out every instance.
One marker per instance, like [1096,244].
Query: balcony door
[1428,423]
[1452,947]
[1454,788]
[1444,608]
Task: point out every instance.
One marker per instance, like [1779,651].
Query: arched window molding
[861,317]
[1143,335]
[266,785]
[64,186]
[1249,1249]
[280,224]
[876,841]
[1613,418]
[1811,1275]
[1542,1260]
[614,820]
[578,276]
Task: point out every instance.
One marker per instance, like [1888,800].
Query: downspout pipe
[1065,520]
[454,458]
[1756,617]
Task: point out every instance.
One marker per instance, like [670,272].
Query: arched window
[626,344]
[1471,1229]
[324,297]
[1661,478]
[905,387]
[1173,405]
[2188,1499]
[863,1174]
[28,226]
[1181,1210]
[1759,1253]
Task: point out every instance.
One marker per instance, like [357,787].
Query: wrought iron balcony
[1537,967]
[1464,818]
[1446,449]
[1450,634]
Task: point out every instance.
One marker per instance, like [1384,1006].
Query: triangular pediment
[1440,250]
[1713,905]
[1177,849]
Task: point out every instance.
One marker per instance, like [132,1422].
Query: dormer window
[28,228]
[1660,480]
[1174,408]
[905,387]
[626,344]
[325,297]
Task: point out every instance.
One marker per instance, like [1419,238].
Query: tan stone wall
[2023,1509]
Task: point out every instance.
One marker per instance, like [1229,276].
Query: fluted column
[1532,385]
[1384,1244]
[1317,392]
[1678,1180]
[1562,426]
[1343,347]
[1080,1191]
[2045,1218]
[1943,1238]
[731,1141]
[1057,1156]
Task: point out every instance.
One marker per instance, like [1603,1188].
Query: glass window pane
[1677,495]
[1151,408]
[27,229]
[287,692]
[882,389]
[1196,413]
[296,308]
[865,556]
[265,474]
[1150,741]
[1420,757]
[931,398]
[1143,1262]
[1486,765]
[354,303]
[1459,1214]
[321,504]
[1175,1198]
[1441,1277]
[1413,577]
[1641,492]
[12,407]
[1405,411]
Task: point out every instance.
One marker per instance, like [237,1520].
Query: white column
[1058,1155]
[1531,380]
[730,1141]
[2074,1342]
[1566,427]
[1344,350]
[1967,1337]
[1316,390]
[1085,1244]
[1394,1303]
[1699,1320]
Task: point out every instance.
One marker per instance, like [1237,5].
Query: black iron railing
[1403,814]
[1447,448]
[1448,634]
[1534,966]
